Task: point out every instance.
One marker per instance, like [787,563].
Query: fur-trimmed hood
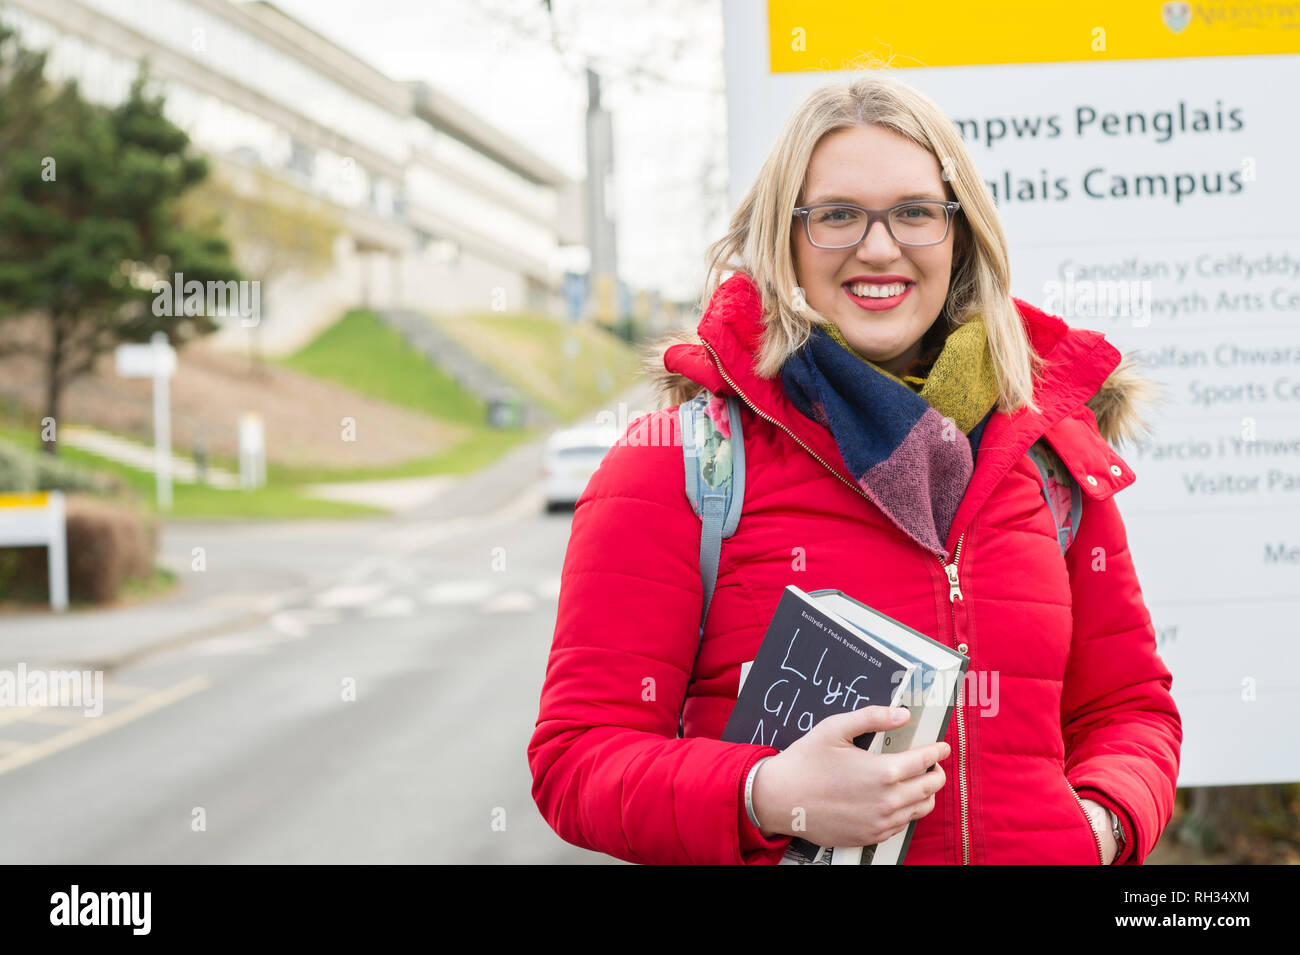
[1121,404]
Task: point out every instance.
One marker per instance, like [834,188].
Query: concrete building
[423,205]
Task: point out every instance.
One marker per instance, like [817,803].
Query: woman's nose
[877,245]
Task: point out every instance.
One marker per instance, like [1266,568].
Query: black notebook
[826,653]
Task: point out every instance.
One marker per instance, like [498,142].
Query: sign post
[156,360]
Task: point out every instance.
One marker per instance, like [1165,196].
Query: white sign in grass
[38,520]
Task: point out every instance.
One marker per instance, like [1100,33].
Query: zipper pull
[954,592]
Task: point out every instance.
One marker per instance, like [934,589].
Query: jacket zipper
[954,594]
[1101,856]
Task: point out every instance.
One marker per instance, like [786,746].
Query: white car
[570,458]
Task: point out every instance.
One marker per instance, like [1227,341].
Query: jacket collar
[1086,385]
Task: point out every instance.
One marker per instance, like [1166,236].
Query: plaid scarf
[911,441]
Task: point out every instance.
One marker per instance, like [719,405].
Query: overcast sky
[661,64]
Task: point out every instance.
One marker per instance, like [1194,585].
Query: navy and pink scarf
[911,452]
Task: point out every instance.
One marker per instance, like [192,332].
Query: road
[357,691]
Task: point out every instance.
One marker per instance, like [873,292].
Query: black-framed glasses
[842,225]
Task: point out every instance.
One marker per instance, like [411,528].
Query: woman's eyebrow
[902,198]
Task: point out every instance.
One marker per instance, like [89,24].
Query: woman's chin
[876,351]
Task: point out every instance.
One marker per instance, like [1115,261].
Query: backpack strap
[715,486]
[1052,472]
[715,478]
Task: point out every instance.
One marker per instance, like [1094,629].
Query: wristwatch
[1117,831]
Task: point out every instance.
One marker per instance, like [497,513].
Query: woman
[891,390]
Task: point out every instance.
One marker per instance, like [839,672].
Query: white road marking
[288,625]
[510,601]
[460,591]
[355,595]
[398,606]
[296,623]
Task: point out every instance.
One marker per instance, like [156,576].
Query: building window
[302,159]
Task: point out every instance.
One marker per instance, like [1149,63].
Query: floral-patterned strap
[1064,499]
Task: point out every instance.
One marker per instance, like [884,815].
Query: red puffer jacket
[1069,692]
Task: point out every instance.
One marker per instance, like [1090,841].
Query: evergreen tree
[88,220]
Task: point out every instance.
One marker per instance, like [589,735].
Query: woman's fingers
[913,798]
[848,726]
[917,788]
[910,810]
[914,762]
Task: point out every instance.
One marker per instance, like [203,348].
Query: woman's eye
[836,215]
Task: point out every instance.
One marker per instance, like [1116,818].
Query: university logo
[1176,16]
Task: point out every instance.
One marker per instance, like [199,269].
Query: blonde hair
[758,241]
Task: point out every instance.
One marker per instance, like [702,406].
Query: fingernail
[898,714]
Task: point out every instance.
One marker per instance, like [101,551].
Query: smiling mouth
[878,296]
[877,290]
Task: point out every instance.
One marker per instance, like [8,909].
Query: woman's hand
[830,792]
[1101,822]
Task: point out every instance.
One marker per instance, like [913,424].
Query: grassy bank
[364,354]
[566,368]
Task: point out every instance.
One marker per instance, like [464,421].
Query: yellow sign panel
[854,34]
[34,499]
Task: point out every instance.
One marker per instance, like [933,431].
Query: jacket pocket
[1087,821]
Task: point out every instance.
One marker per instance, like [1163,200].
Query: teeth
[874,290]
